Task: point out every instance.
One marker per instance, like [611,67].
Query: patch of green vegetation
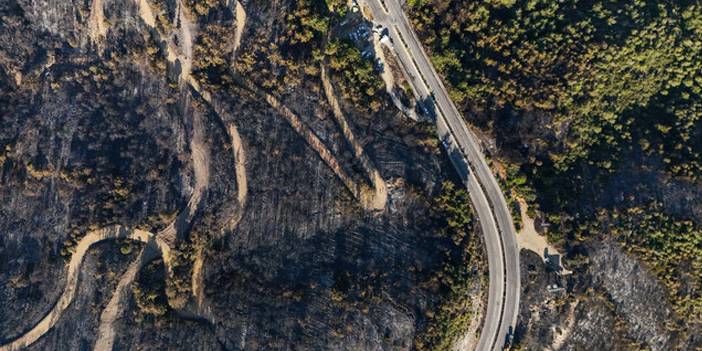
[212,59]
[361,83]
[148,291]
[179,284]
[516,185]
[518,182]
[126,248]
[292,58]
[670,247]
[202,7]
[454,205]
[590,89]
[337,7]
[594,67]
[308,23]
[451,318]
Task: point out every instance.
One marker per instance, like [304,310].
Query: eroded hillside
[220,174]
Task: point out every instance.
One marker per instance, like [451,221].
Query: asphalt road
[467,157]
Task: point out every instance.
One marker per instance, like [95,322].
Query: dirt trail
[201,169]
[155,244]
[145,13]
[374,201]
[165,239]
[239,168]
[242,194]
[185,38]
[303,130]
[240,165]
[562,336]
[198,282]
[201,163]
[97,27]
[389,79]
[181,53]
[114,310]
[240,24]
[237,146]
[90,239]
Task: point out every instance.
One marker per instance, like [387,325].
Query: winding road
[90,239]
[461,144]
[156,245]
[466,156]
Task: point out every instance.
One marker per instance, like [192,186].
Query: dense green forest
[608,73]
[449,320]
[361,83]
[579,94]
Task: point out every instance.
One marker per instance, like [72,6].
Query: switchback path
[69,292]
[467,157]
[378,199]
[114,309]
[240,25]
[357,190]
[242,196]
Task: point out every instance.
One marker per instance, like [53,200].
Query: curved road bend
[69,292]
[467,157]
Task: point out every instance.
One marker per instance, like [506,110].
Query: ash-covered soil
[99,126]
